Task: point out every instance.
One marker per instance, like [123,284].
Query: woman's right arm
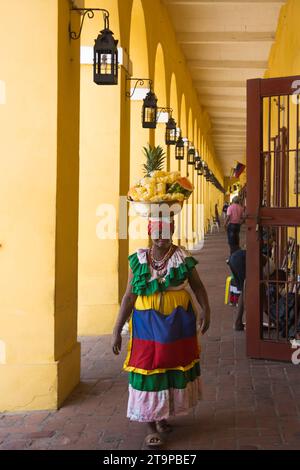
[126,308]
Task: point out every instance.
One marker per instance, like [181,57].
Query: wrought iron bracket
[89,12]
[138,81]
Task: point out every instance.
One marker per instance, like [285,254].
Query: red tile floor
[248,404]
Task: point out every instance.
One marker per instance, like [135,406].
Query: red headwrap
[161,228]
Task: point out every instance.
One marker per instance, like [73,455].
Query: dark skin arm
[201,295]
[126,308]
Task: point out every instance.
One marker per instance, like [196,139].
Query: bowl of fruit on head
[159,192]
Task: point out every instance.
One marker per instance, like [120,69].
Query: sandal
[163,426]
[153,440]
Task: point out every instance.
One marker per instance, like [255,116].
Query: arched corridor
[81,163]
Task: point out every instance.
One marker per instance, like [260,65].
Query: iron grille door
[273,217]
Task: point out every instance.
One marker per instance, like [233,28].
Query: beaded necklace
[160,266]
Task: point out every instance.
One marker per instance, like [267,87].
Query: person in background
[224,210]
[217,217]
[234,219]
[237,265]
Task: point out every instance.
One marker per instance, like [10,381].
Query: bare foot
[153,440]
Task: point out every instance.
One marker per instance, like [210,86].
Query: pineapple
[155,157]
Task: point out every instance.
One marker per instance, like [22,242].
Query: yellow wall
[39,120]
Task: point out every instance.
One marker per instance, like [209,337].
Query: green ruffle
[164,381]
[141,284]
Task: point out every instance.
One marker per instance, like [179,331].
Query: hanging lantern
[197,157]
[191,155]
[210,176]
[179,149]
[106,59]
[198,166]
[206,171]
[149,111]
[171,132]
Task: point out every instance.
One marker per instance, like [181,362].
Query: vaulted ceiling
[225,43]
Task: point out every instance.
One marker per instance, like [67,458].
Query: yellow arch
[161,92]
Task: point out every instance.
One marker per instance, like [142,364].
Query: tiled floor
[247,404]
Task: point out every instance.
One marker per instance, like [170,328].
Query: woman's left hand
[116,343]
[205,322]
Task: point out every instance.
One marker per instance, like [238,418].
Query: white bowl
[157,209]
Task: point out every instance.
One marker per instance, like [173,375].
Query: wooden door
[273,217]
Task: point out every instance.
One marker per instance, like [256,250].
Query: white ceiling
[225,43]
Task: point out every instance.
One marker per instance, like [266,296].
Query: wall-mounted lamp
[171,132]
[197,156]
[198,167]
[105,48]
[210,176]
[171,126]
[205,169]
[191,155]
[149,109]
[179,149]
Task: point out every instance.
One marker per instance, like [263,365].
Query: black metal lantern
[105,48]
[179,149]
[197,157]
[149,111]
[171,132]
[198,166]
[210,176]
[191,155]
[106,59]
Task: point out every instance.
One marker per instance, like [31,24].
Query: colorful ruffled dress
[163,352]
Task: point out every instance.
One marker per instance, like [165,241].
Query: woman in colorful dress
[163,352]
